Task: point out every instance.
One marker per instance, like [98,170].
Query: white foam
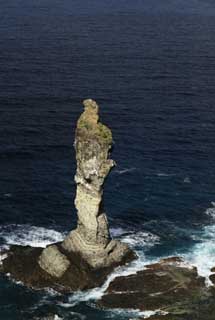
[135,239]
[97,293]
[7,195]
[148,314]
[2,257]
[55,317]
[134,313]
[126,170]
[30,235]
[211,211]
[117,232]
[41,237]
[202,255]
[163,174]
[187,180]
[130,313]
[181,264]
[141,239]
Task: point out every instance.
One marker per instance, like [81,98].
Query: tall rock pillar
[91,239]
[93,142]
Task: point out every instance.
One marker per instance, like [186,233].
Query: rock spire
[93,143]
[91,239]
[88,254]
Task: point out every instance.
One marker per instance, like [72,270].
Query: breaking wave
[135,239]
[133,313]
[211,211]
[41,237]
[202,254]
[141,239]
[29,235]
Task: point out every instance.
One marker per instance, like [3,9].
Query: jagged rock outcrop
[88,254]
[171,288]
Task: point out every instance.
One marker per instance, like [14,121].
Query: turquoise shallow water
[151,68]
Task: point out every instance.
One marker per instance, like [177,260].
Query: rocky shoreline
[170,286]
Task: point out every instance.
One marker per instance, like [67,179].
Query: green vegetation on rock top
[99,130]
[105,133]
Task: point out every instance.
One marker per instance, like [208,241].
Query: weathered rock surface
[212,276]
[169,286]
[93,142]
[22,264]
[88,254]
[91,239]
[53,261]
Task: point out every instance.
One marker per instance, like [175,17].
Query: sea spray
[28,235]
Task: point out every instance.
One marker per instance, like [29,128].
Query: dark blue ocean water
[151,67]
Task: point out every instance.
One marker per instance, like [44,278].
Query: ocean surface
[151,67]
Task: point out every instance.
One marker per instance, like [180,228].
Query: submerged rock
[88,254]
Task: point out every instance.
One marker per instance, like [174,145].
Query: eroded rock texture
[170,286]
[91,238]
[93,142]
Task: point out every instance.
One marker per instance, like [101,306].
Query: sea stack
[91,239]
[93,143]
[88,254]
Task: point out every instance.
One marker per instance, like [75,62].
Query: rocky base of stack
[65,271]
[97,256]
[170,288]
